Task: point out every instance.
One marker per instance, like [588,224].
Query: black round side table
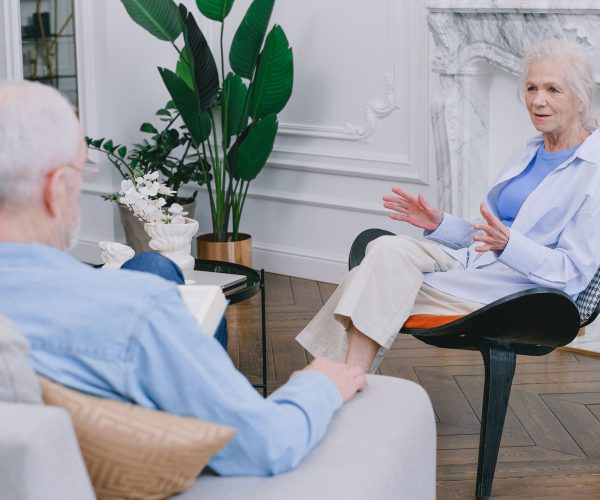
[255,283]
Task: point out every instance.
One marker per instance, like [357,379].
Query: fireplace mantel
[471,38]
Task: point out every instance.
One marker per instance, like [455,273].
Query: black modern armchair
[533,322]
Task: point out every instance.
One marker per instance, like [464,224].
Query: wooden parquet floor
[551,443]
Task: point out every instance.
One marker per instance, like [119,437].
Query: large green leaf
[272,85]
[216,10]
[255,148]
[198,123]
[233,113]
[159,17]
[183,68]
[248,39]
[202,63]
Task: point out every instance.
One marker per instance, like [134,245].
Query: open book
[207,303]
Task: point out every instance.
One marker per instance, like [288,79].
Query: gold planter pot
[238,252]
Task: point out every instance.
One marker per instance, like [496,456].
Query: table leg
[264,331]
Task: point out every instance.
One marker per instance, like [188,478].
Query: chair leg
[499,362]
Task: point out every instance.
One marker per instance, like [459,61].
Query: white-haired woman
[542,226]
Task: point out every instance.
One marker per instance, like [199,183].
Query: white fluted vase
[173,241]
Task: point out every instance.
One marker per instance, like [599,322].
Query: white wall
[334,157]
[322,185]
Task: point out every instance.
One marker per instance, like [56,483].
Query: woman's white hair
[578,68]
[38,131]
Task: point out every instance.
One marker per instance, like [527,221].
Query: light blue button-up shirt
[554,240]
[127,335]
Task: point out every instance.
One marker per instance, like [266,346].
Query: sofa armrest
[382,444]
[39,455]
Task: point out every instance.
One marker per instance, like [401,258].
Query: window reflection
[48,43]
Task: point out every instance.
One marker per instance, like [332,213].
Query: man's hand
[348,379]
[413,209]
[496,234]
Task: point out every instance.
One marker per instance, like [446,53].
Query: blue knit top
[515,192]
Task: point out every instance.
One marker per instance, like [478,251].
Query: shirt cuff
[520,253]
[452,232]
[314,392]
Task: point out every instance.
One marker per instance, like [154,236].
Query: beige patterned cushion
[133,452]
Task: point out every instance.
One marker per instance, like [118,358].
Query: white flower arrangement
[144,196]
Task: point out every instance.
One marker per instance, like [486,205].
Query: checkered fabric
[587,301]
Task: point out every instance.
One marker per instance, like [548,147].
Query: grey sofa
[380,445]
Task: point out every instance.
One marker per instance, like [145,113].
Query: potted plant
[169,152]
[165,223]
[231,117]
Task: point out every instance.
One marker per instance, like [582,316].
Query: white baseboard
[277,259]
[300,263]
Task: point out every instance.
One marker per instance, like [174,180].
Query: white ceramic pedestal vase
[174,241]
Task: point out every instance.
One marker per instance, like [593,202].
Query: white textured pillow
[18,383]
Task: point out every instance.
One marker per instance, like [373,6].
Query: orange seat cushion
[429,320]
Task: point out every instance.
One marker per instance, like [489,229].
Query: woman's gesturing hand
[413,209]
[496,234]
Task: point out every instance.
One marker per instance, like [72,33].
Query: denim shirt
[554,240]
[127,335]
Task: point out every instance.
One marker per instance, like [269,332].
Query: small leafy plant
[168,151]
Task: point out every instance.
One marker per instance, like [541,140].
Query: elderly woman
[541,227]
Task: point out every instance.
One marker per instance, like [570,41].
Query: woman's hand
[496,234]
[413,209]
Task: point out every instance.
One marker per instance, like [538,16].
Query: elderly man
[127,335]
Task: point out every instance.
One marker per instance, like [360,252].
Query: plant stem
[222,205]
[171,122]
[114,159]
[209,189]
[222,58]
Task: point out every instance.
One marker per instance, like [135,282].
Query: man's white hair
[577,65]
[38,131]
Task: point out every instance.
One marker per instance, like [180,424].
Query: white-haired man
[127,335]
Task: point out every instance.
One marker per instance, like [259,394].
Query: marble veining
[513,5]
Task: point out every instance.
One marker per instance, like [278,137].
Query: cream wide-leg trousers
[380,294]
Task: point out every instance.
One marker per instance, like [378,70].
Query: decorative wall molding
[12,39]
[272,195]
[376,110]
[86,26]
[470,37]
[393,168]
[409,168]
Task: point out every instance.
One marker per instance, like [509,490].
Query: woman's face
[553,107]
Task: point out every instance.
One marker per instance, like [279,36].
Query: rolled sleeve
[452,232]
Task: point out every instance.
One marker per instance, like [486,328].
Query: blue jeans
[155,263]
